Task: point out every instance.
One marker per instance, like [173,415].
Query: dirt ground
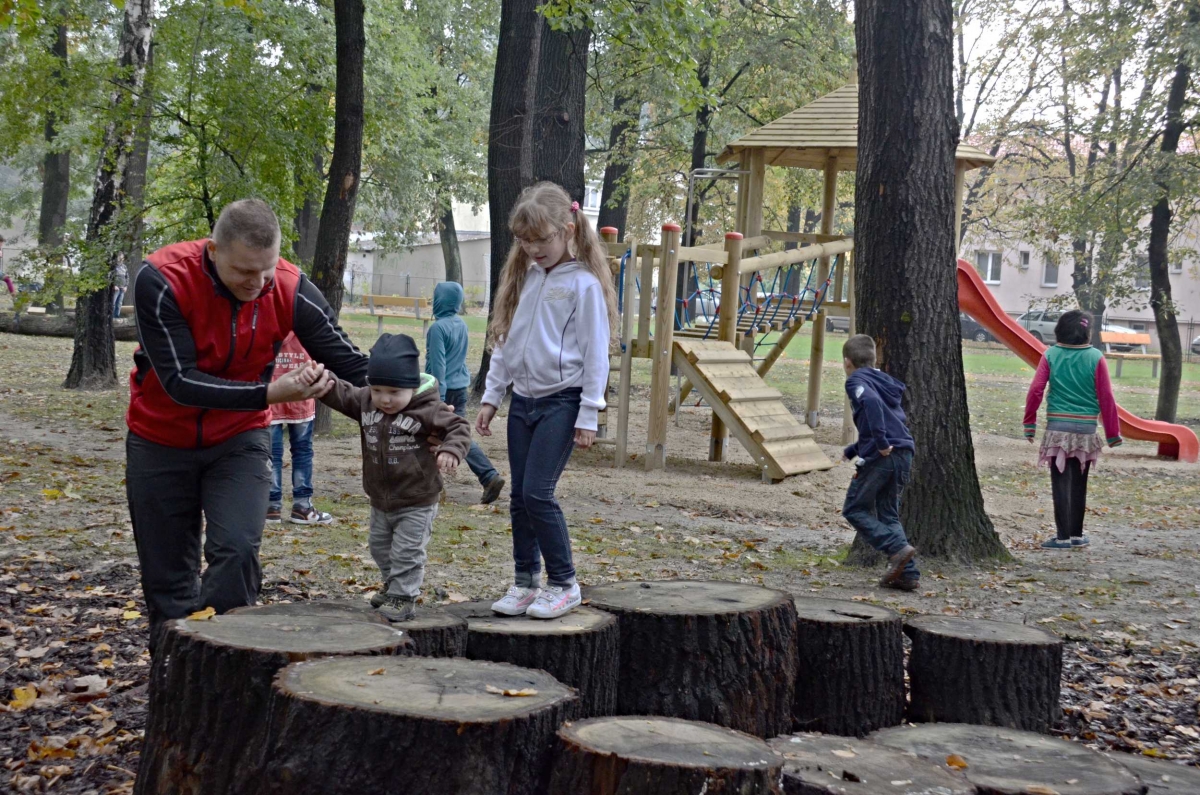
[72,631]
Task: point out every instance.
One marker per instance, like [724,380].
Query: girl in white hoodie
[554,315]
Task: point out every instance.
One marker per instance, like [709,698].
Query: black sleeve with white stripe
[318,331]
[168,344]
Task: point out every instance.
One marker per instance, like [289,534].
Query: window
[1139,327]
[1176,266]
[988,265]
[1050,269]
[1024,260]
[1141,273]
[591,198]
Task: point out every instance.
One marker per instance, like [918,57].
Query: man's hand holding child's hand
[447,463]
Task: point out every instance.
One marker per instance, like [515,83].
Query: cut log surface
[988,672]
[413,724]
[849,667]
[664,756]
[351,609]
[718,652]
[578,649]
[210,686]
[1159,776]
[818,764]
[1003,761]
[436,633]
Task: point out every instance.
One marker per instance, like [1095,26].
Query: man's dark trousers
[173,494]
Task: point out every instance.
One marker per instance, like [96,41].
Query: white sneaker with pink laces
[516,601]
[555,601]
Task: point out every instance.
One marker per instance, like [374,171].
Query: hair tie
[574,207]
[1083,321]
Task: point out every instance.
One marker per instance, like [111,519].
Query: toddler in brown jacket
[402,474]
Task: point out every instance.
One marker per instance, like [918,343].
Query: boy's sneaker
[555,601]
[274,515]
[904,584]
[398,608]
[516,602]
[491,490]
[896,564]
[309,515]
[1080,541]
[1057,543]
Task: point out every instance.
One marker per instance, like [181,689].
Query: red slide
[974,298]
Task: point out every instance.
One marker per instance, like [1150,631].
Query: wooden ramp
[754,412]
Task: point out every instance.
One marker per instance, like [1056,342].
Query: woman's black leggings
[1069,490]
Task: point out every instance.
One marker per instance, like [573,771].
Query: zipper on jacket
[253,330]
[235,309]
[525,348]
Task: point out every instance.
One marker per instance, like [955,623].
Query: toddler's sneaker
[274,514]
[398,608]
[555,601]
[309,515]
[379,597]
[1080,541]
[1057,543]
[491,492]
[517,601]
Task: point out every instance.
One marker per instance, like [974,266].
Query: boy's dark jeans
[541,437]
[477,460]
[872,504]
[174,492]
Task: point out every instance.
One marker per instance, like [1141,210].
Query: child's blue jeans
[477,460]
[872,504]
[300,434]
[541,437]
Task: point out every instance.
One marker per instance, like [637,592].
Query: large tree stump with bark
[849,667]
[210,686]
[578,649]
[719,652]
[664,756]
[818,764]
[349,609]
[413,724]
[437,633]
[972,671]
[1000,761]
[1159,776]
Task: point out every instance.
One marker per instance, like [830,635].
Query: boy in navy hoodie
[883,460]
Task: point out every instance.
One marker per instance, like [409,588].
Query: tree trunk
[1160,229]
[614,195]
[1009,762]
[433,726]
[683,290]
[56,166]
[559,133]
[437,633]
[810,758]
[307,221]
[449,237]
[510,154]
[124,329]
[135,182]
[719,652]
[986,672]
[210,688]
[664,756]
[345,166]
[93,361]
[906,288]
[850,677]
[792,287]
[579,650]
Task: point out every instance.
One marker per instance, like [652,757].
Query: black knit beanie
[395,362]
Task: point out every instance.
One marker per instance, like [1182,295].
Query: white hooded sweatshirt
[558,340]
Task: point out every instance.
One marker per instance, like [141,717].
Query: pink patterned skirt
[1059,446]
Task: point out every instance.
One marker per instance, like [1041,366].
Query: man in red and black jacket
[211,316]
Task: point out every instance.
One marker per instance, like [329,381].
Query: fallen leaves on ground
[523,693]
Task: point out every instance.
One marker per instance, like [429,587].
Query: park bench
[1139,340]
[401,305]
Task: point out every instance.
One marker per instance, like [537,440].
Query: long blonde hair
[542,210]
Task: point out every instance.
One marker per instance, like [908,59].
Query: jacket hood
[447,299]
[890,390]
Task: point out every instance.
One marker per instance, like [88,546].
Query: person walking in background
[297,418]
[446,360]
[1079,391]
[12,291]
[120,283]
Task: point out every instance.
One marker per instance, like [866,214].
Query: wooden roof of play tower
[824,128]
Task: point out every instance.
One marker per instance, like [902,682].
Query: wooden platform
[754,413]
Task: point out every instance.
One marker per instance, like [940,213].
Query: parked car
[1196,346]
[971,330]
[838,324]
[1040,324]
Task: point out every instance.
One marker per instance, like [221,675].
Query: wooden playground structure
[723,349]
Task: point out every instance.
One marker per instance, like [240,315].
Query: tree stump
[1159,776]
[350,609]
[663,756]
[971,671]
[437,633]
[578,649]
[719,652]
[1002,761]
[210,686]
[816,764]
[849,667]
[413,724]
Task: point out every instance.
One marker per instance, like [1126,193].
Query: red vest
[236,347]
[292,356]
